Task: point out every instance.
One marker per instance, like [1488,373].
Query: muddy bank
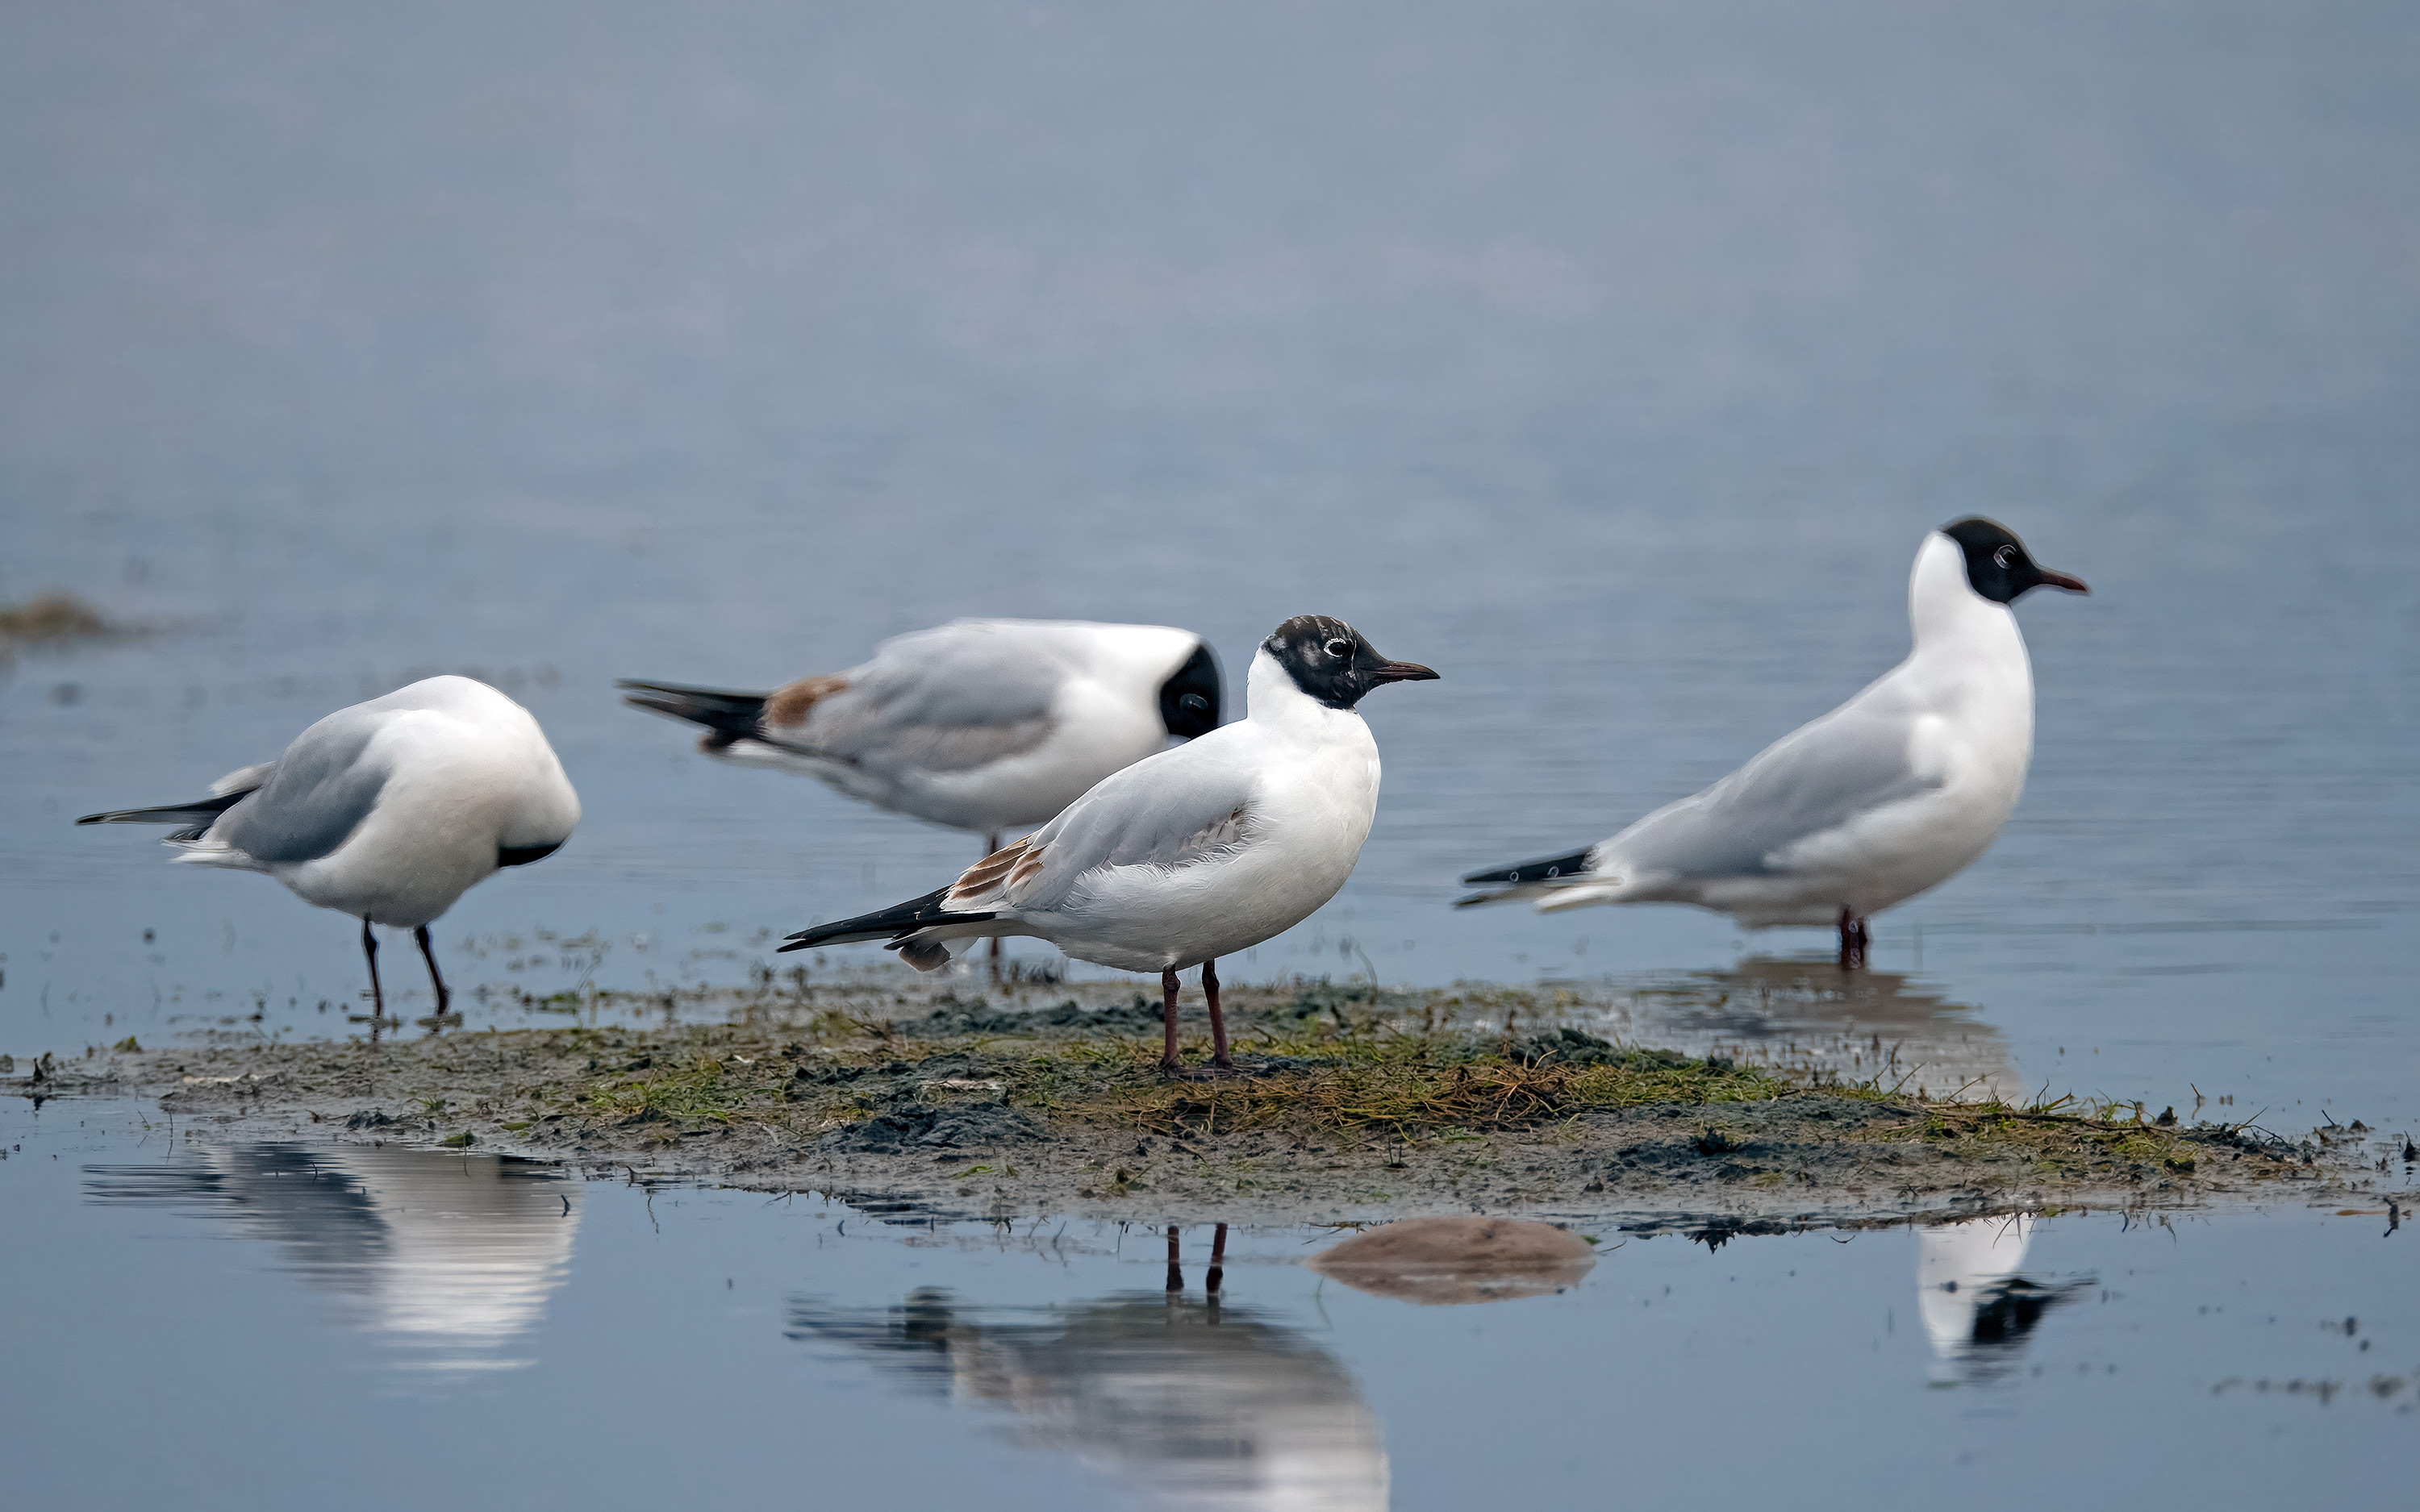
[55,621]
[1348,1105]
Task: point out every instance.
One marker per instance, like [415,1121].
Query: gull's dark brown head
[1329,660]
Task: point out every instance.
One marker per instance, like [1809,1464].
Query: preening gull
[1190,855]
[1894,791]
[388,810]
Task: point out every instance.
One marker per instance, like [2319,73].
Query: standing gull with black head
[1895,792]
[1190,855]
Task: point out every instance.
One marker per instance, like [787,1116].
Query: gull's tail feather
[728,717]
[895,927]
[196,817]
[1555,897]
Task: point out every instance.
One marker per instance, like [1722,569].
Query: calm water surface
[1611,360]
[301,1325]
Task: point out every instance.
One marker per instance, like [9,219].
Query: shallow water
[1611,360]
[302,1324]
[1635,443]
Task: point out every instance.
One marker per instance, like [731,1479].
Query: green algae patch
[2118,1141]
[1343,1100]
[685,1086]
[1306,1076]
[1352,1085]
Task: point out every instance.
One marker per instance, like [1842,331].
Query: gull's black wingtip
[1547,870]
[890,925]
[201,813]
[722,710]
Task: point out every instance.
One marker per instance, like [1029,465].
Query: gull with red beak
[1190,855]
[1895,792]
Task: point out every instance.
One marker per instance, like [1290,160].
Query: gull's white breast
[1313,798]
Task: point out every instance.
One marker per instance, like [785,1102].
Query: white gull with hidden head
[391,809]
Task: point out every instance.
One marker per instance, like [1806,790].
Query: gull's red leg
[1167,1009]
[1218,1024]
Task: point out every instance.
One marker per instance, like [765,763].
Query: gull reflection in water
[1857,1024]
[449,1256]
[1186,1401]
[1976,1307]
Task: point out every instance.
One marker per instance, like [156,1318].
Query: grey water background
[1612,359]
[240,1327]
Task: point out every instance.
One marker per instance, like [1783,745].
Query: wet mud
[1348,1105]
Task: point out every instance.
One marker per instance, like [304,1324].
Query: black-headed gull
[1190,855]
[977,725]
[1892,793]
[387,812]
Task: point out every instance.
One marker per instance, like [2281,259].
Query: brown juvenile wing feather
[1000,878]
[1028,866]
[789,703]
[988,879]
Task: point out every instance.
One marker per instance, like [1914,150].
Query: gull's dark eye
[2005,556]
[1340,649]
[1193,704]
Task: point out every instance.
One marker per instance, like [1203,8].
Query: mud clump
[52,617]
[55,621]
[915,1126]
[1577,1047]
[978,1017]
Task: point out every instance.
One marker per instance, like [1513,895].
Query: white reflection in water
[451,1256]
[1185,1402]
[1976,1307]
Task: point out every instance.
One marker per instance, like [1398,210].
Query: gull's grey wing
[1188,810]
[946,700]
[242,780]
[317,795]
[1171,810]
[1813,780]
[941,749]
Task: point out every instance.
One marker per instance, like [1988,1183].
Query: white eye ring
[2005,556]
[1340,649]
